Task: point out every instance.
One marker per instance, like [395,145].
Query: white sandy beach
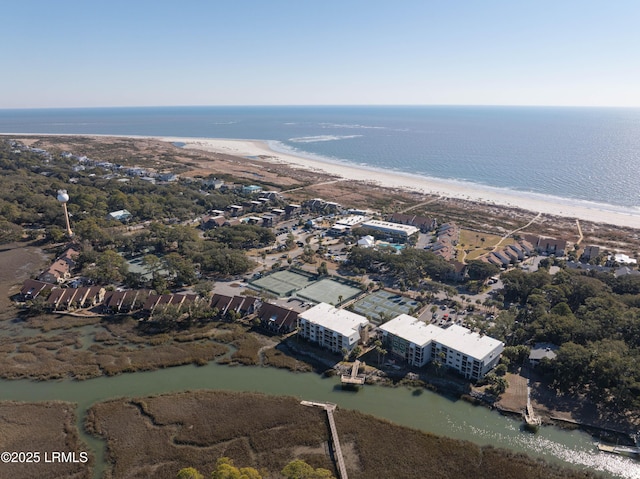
[537,203]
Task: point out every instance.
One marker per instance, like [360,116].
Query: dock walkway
[530,416]
[337,451]
[353,378]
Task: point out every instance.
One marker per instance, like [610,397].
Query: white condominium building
[392,229]
[469,353]
[332,328]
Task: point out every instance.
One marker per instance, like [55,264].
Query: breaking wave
[318,138]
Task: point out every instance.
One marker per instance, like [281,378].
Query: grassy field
[43,428]
[157,436]
[478,244]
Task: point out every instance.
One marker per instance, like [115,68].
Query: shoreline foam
[534,202]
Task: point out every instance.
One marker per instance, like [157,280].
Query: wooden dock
[353,378]
[532,421]
[337,450]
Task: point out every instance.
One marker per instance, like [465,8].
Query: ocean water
[580,155]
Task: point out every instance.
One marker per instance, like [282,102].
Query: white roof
[467,342]
[624,259]
[367,241]
[412,329]
[386,225]
[454,337]
[351,220]
[339,320]
[339,227]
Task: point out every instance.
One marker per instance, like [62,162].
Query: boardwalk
[337,451]
[530,417]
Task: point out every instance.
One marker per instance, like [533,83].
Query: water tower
[63,198]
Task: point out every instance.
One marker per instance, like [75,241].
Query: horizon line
[348,105]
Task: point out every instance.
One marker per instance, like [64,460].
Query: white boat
[631,451]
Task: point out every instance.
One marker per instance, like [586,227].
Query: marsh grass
[195,428]
[278,359]
[43,427]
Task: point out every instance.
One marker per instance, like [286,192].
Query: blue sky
[71,53]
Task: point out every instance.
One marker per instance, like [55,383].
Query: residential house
[590,252]
[235,210]
[552,246]
[269,220]
[241,305]
[61,268]
[55,299]
[444,249]
[459,272]
[277,319]
[512,254]
[292,210]
[220,302]
[31,288]
[88,297]
[209,222]
[120,215]
[527,247]
[518,250]
[625,271]
[251,189]
[134,300]
[541,351]
[168,177]
[490,258]
[503,258]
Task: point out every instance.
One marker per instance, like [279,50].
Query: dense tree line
[225,469]
[594,318]
[30,180]
[243,236]
[410,265]
[27,197]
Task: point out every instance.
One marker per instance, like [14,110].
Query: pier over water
[337,451]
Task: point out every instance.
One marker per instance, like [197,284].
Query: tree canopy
[595,321]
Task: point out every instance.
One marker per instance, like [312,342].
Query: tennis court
[283,283]
[386,303]
[329,290]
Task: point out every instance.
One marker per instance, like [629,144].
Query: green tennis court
[283,283]
[384,303]
[329,290]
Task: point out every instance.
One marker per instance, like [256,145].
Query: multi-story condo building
[471,354]
[332,328]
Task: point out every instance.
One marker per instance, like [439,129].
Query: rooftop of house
[543,350]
